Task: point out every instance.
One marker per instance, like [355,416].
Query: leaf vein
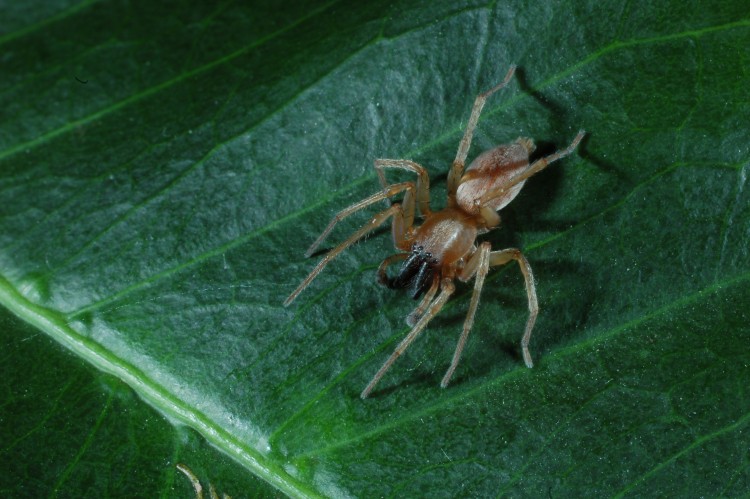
[451,401]
[148,92]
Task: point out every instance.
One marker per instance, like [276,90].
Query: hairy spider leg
[193,479]
[457,168]
[533,169]
[423,179]
[377,220]
[477,266]
[501,258]
[417,313]
[391,190]
[446,291]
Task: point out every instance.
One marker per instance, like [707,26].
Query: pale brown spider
[444,247]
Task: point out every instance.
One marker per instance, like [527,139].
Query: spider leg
[423,180]
[446,291]
[417,313]
[502,257]
[389,191]
[478,265]
[395,211]
[193,479]
[457,168]
[534,168]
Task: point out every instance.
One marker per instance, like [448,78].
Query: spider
[444,247]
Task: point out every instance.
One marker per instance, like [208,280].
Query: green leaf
[69,432]
[164,167]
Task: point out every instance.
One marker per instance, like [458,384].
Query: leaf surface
[164,167]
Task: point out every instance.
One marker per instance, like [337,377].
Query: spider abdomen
[448,235]
[489,171]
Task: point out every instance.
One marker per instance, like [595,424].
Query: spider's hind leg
[533,169]
[457,169]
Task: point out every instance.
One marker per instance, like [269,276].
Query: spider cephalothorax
[444,247]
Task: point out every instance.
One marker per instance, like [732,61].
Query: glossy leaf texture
[68,431]
[164,166]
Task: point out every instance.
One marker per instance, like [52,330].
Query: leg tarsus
[375,222]
[502,257]
[446,291]
[457,168]
[535,168]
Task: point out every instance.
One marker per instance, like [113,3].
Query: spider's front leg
[446,290]
[477,266]
[423,180]
[418,312]
[396,211]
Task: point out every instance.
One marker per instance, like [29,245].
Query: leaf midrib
[55,326]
